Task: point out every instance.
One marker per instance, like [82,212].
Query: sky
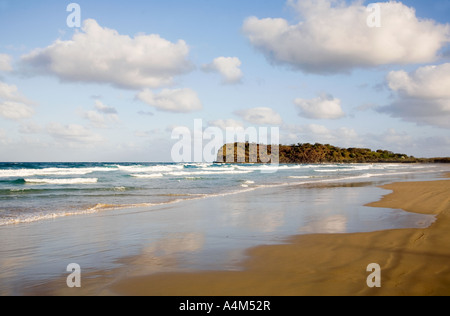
[114,87]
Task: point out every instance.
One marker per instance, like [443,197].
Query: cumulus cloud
[334,37]
[429,82]
[102,108]
[15,110]
[223,124]
[100,55]
[260,116]
[422,96]
[30,128]
[73,133]
[176,100]
[13,105]
[227,67]
[5,63]
[322,107]
[102,115]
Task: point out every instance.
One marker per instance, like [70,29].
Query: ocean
[32,192]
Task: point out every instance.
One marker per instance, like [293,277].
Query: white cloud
[423,96]
[391,137]
[322,107]
[97,119]
[101,55]
[11,93]
[30,128]
[5,63]
[73,133]
[429,82]
[334,37]
[102,115]
[13,105]
[176,100]
[15,110]
[102,108]
[260,116]
[223,124]
[228,67]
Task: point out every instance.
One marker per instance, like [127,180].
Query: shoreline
[413,261]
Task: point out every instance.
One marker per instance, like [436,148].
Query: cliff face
[309,153]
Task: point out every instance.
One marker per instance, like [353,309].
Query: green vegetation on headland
[314,153]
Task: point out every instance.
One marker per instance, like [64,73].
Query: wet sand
[413,261]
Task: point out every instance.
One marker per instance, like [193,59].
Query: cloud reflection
[330,225]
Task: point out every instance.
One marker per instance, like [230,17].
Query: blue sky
[115,88]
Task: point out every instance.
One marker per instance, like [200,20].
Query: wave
[15,181]
[303,177]
[246,183]
[63,181]
[147,176]
[22,173]
[189,173]
[198,165]
[30,218]
[268,167]
[148,169]
[327,170]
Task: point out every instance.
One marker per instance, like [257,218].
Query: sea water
[32,192]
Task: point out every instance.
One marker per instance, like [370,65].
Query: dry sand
[412,261]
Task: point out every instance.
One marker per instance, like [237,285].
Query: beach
[313,235]
[224,148]
[412,261]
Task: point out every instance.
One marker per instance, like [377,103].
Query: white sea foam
[62,181]
[192,173]
[148,176]
[271,167]
[22,173]
[199,165]
[148,169]
[352,168]
[30,218]
[300,177]
[247,183]
[327,170]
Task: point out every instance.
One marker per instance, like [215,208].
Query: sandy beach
[412,261]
